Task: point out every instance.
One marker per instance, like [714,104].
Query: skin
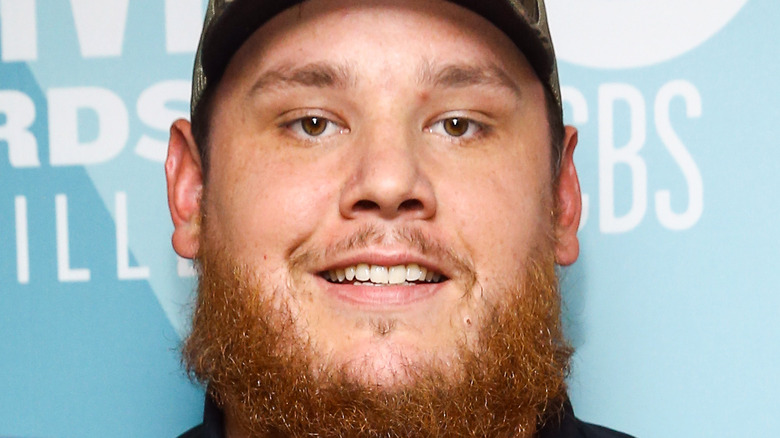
[386,162]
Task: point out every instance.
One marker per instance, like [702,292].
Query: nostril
[387,210]
[411,205]
[365,205]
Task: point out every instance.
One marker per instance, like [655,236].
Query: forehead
[380,35]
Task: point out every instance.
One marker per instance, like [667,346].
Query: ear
[184,176]
[568,203]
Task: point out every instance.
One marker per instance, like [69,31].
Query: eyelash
[330,127]
[474,129]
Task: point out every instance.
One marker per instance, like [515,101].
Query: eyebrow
[319,75]
[466,75]
[329,75]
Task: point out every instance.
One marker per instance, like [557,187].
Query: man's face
[353,146]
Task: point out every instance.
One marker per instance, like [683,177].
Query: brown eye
[314,126]
[456,127]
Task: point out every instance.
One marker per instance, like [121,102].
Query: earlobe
[184,177]
[569,203]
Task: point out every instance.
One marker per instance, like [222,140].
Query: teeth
[377,275]
[397,274]
[362,272]
[412,272]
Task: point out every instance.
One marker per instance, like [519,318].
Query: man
[376,194]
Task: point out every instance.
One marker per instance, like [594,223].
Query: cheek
[263,206]
[501,215]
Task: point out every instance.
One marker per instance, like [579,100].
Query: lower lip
[382,296]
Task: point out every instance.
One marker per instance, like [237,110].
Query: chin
[389,363]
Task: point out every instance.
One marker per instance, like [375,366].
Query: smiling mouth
[364,274]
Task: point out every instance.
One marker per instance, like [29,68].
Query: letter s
[663,209]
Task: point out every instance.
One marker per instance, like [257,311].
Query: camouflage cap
[229,23]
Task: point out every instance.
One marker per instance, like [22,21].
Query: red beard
[246,349]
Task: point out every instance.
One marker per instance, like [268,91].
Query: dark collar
[564,426]
[213,420]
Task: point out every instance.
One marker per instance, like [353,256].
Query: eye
[457,127]
[314,126]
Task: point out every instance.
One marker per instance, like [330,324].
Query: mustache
[371,235]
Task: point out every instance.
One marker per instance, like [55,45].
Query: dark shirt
[569,426]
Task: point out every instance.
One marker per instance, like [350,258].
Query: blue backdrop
[672,305]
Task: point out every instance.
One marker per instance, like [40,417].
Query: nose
[387,180]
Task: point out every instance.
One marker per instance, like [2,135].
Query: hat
[229,23]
